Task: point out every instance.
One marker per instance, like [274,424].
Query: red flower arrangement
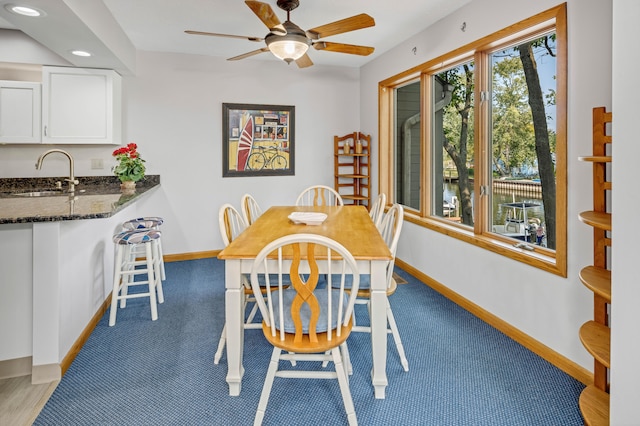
[130,165]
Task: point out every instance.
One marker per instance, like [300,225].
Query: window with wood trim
[477,141]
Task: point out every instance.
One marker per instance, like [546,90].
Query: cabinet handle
[45,130]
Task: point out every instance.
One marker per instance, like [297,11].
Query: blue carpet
[462,371]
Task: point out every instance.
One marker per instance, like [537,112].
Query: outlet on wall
[97,163]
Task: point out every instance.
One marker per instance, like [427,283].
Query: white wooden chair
[390,230]
[250,209]
[311,324]
[377,209]
[231,225]
[319,195]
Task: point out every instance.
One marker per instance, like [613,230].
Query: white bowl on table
[307,218]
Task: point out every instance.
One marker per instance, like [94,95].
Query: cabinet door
[81,106]
[19,112]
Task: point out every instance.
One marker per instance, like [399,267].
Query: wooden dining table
[352,227]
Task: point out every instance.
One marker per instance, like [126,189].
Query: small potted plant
[130,167]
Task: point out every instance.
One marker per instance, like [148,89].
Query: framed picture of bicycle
[258,140]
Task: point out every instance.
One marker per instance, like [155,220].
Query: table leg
[379,327]
[234,306]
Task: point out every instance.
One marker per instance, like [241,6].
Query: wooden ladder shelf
[595,335]
[352,172]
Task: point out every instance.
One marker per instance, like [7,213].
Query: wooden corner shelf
[600,220]
[598,280]
[596,158]
[595,335]
[596,338]
[352,172]
[352,176]
[594,405]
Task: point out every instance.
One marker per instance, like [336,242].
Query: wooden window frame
[554,261]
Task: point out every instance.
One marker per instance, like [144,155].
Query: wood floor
[21,402]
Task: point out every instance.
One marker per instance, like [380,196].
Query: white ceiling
[103,26]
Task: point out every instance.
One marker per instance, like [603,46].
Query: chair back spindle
[319,195]
[250,209]
[377,209]
[390,229]
[231,223]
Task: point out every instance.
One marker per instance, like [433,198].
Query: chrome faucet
[72,180]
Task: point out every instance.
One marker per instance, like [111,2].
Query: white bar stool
[148,222]
[127,267]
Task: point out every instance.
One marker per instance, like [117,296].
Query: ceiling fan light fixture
[289,47]
[288,42]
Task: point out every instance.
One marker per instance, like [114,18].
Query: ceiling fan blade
[248,54]
[304,61]
[344,25]
[224,35]
[343,48]
[264,12]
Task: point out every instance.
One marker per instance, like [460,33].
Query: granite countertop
[95,197]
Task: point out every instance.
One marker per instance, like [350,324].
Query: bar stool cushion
[138,236]
[148,222]
[143,222]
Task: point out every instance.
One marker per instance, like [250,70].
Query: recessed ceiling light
[24,10]
[80,53]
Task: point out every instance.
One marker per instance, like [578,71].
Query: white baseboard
[45,373]
[15,367]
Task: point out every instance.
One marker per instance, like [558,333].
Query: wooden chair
[231,225]
[310,323]
[377,209]
[250,209]
[319,195]
[390,230]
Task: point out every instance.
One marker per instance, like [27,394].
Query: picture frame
[258,140]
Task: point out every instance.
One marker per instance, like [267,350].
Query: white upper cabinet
[81,106]
[19,112]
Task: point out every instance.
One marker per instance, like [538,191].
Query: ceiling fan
[290,43]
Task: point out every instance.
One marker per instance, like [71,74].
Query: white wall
[174,110]
[625,328]
[16,260]
[547,307]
